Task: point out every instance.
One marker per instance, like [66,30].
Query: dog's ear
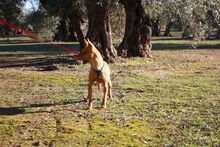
[86,42]
[89,43]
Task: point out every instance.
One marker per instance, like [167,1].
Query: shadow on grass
[22,109]
[166,38]
[165,46]
[38,62]
[7,41]
[36,47]
[19,60]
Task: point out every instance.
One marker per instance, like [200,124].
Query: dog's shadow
[22,109]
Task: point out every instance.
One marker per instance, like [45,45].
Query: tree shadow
[11,110]
[166,38]
[167,46]
[40,63]
[38,47]
[22,109]
[8,41]
[27,55]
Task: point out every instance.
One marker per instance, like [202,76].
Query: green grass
[172,99]
[176,43]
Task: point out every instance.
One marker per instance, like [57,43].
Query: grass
[172,99]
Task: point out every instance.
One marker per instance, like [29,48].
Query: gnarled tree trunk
[155,27]
[65,32]
[75,16]
[72,34]
[77,25]
[62,32]
[167,30]
[99,30]
[137,37]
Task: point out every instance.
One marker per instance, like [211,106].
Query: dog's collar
[99,71]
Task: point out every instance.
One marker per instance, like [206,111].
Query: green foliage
[62,8]
[10,10]
[42,24]
[198,16]
[117,21]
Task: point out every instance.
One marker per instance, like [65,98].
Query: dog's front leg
[105,95]
[89,97]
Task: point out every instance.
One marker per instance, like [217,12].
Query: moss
[170,100]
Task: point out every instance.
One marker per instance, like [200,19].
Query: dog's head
[87,52]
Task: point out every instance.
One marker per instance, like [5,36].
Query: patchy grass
[172,99]
[176,43]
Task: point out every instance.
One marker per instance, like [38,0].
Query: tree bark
[218,33]
[155,27]
[99,30]
[76,20]
[77,25]
[167,30]
[62,33]
[72,34]
[137,37]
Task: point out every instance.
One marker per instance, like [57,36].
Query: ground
[172,99]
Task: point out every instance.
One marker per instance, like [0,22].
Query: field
[172,99]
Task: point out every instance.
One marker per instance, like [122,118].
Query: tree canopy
[10,10]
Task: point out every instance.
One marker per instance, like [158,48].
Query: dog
[99,72]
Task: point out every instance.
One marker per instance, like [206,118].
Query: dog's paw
[90,106]
[103,106]
[89,109]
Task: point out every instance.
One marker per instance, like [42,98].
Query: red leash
[38,38]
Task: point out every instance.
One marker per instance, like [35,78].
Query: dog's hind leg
[89,97]
[110,90]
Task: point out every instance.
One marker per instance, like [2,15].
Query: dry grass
[172,99]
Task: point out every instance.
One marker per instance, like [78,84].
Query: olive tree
[137,36]
[10,11]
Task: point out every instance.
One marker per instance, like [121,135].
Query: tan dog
[99,72]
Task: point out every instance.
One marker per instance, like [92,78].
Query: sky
[31,5]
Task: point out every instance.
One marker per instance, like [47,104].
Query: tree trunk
[65,32]
[137,37]
[99,30]
[1,31]
[75,15]
[168,27]
[155,27]
[69,9]
[72,34]
[77,25]
[218,33]
[62,33]
[7,29]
